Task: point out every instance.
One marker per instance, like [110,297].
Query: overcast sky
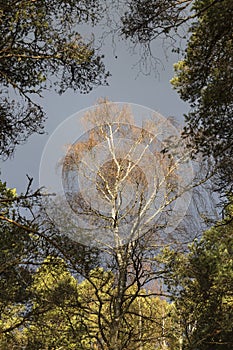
[125,85]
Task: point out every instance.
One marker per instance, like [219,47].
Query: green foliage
[201,283]
[37,293]
[67,314]
[13,244]
[40,47]
[204,78]
[55,321]
[17,249]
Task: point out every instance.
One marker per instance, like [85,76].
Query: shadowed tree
[201,283]
[204,79]
[41,47]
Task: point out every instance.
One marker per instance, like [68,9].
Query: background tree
[40,47]
[18,251]
[26,240]
[201,283]
[204,79]
[66,314]
[204,75]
